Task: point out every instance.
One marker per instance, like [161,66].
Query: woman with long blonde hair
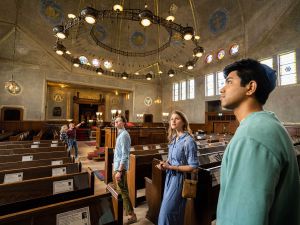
[182,157]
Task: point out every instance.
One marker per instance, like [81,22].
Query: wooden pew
[17,175]
[19,137]
[38,137]
[117,202]
[109,156]
[97,208]
[140,166]
[6,135]
[34,163]
[154,191]
[28,142]
[207,189]
[18,151]
[108,167]
[32,156]
[31,145]
[29,194]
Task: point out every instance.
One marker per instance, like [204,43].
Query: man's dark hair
[250,69]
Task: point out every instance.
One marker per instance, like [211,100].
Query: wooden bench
[29,194]
[94,210]
[109,156]
[31,145]
[154,191]
[19,137]
[17,175]
[32,156]
[140,166]
[202,210]
[18,151]
[34,163]
[38,137]
[196,210]
[117,202]
[28,142]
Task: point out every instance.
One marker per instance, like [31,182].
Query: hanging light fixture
[198,51]
[59,49]
[190,65]
[118,8]
[170,18]
[157,100]
[148,76]
[12,86]
[146,17]
[89,14]
[188,33]
[171,73]
[124,75]
[99,71]
[76,62]
[60,32]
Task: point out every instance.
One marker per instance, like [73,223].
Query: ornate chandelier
[145,17]
[12,86]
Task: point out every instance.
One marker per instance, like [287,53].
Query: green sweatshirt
[260,182]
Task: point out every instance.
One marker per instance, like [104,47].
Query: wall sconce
[165,117]
[139,117]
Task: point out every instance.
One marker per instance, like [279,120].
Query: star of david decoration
[148,101]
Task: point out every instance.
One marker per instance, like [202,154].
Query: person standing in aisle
[72,138]
[121,165]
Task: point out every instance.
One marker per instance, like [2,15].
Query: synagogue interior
[87,62]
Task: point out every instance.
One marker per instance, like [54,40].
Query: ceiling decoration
[176,35]
[51,11]
[218,21]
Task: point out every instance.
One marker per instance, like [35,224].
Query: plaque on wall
[57,111]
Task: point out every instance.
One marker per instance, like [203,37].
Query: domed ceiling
[219,24]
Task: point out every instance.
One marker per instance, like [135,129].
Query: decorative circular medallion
[57,97]
[148,101]
[218,21]
[51,11]
[138,39]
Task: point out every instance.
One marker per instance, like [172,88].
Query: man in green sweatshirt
[260,182]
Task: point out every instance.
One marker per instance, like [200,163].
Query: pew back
[28,194]
[17,175]
[34,163]
[32,156]
[92,210]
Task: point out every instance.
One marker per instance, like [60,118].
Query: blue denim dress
[181,152]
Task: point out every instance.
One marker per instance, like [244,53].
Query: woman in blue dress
[182,158]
